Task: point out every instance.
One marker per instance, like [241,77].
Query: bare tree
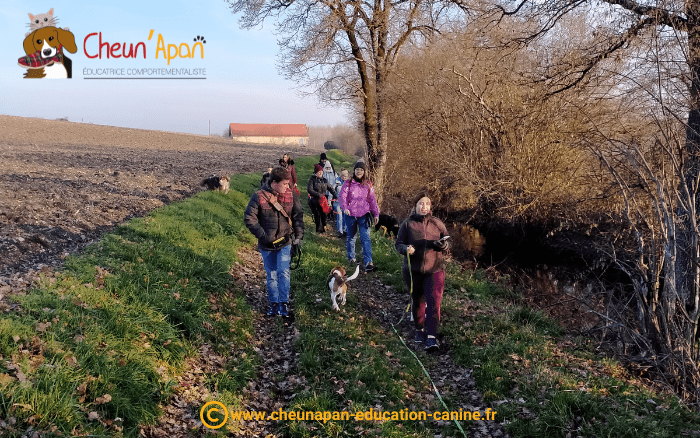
[666,272]
[348,49]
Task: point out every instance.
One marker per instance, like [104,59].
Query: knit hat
[323,156]
[317,167]
[360,164]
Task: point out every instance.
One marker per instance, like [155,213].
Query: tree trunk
[687,240]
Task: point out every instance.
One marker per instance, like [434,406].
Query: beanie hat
[317,167]
[323,156]
[361,165]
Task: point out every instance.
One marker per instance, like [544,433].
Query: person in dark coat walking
[420,239]
[317,188]
[274,216]
[287,163]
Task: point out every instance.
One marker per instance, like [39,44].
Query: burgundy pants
[427,296]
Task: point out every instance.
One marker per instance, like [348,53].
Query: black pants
[319,215]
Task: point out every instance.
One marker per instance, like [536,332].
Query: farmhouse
[280,134]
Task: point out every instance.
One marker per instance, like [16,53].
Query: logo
[45,46]
[213,407]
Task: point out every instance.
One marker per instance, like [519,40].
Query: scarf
[36,61]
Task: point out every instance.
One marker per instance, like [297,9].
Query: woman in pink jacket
[357,201]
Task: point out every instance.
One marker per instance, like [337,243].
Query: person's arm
[250,217]
[439,245]
[312,190]
[344,195]
[294,175]
[402,239]
[297,219]
[332,190]
[373,205]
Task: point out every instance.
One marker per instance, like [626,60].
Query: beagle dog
[45,58]
[337,284]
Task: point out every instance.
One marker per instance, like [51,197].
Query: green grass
[142,299]
[129,311]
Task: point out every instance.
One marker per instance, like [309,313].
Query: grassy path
[164,314]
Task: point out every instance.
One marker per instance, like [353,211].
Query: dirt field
[63,184]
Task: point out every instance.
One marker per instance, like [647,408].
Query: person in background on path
[340,223]
[357,201]
[327,166]
[287,163]
[329,174]
[419,238]
[317,188]
[265,178]
[275,217]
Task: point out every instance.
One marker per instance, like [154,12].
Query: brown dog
[49,42]
[337,284]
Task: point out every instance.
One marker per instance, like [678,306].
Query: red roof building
[268,130]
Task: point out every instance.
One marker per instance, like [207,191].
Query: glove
[440,245]
[296,247]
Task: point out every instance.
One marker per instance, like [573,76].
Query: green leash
[410,274]
[410,291]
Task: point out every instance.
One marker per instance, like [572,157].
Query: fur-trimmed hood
[288,163]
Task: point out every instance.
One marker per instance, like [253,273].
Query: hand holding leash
[296,247]
[441,244]
[296,254]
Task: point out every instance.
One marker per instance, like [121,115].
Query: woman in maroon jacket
[287,162]
[420,238]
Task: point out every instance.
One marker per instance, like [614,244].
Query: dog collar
[36,61]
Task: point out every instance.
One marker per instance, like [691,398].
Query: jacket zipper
[425,244]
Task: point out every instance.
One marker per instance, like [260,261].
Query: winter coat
[328,171]
[317,187]
[358,198]
[267,224]
[290,166]
[422,232]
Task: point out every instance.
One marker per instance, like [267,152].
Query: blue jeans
[353,224]
[340,223]
[277,269]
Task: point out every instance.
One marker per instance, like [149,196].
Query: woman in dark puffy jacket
[420,239]
[317,188]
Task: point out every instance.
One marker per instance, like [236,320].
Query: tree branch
[659,15]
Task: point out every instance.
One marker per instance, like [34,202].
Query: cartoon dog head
[47,39]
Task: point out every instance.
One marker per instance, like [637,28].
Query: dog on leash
[388,224]
[337,283]
[220,184]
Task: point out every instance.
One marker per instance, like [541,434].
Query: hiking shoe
[369,267]
[273,310]
[283,311]
[420,336]
[431,344]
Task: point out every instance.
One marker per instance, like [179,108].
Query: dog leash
[410,291]
[410,296]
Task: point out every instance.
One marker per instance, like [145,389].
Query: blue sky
[242,81]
